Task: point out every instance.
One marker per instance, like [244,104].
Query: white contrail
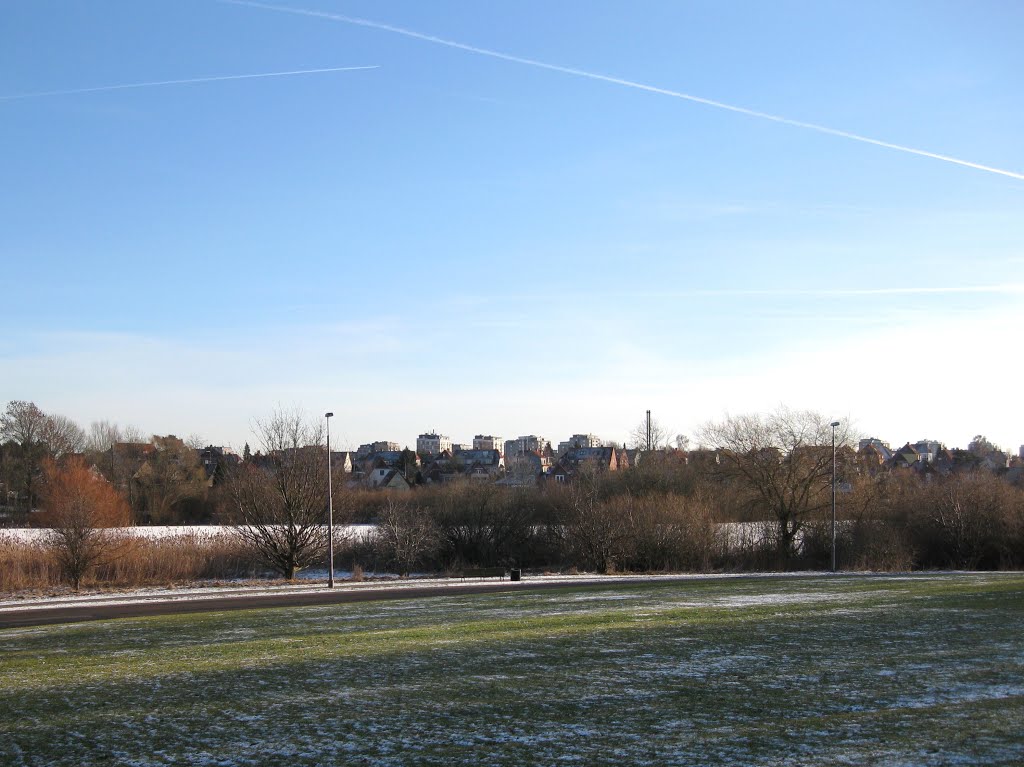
[125,86]
[626,83]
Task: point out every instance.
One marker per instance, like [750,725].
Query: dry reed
[27,566]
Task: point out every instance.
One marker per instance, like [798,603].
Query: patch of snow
[154,532]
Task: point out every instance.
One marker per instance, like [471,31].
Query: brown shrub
[671,532]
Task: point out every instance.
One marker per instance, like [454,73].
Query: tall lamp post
[330,509]
[834,424]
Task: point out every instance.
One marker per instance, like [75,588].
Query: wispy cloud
[1008,289]
[187,81]
[627,83]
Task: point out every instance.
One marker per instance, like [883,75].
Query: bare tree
[62,436]
[26,424]
[118,452]
[981,446]
[782,460]
[22,425]
[103,435]
[81,508]
[597,530]
[968,521]
[38,437]
[405,535]
[278,501]
[22,422]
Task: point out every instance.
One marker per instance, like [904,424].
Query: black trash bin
[515,575]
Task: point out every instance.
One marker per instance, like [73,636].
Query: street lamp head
[834,424]
[328,415]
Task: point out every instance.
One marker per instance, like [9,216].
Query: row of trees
[759,499]
[599,523]
[160,477]
[771,476]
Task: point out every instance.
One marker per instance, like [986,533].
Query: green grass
[923,670]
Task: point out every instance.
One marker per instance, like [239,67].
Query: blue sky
[456,241]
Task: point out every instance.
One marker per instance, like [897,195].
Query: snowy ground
[806,670]
[35,534]
[315,581]
[735,533]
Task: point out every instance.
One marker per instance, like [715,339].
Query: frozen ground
[312,581]
[807,670]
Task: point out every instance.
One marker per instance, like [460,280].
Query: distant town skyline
[514,217]
[438,440]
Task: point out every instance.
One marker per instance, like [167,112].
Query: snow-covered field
[804,670]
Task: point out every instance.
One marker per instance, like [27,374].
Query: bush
[481,525]
[966,521]
[670,533]
[405,538]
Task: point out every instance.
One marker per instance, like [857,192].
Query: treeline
[656,519]
[760,499]
[162,478]
[685,519]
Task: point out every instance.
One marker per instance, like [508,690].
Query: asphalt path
[128,607]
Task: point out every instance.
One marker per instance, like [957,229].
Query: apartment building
[433,444]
